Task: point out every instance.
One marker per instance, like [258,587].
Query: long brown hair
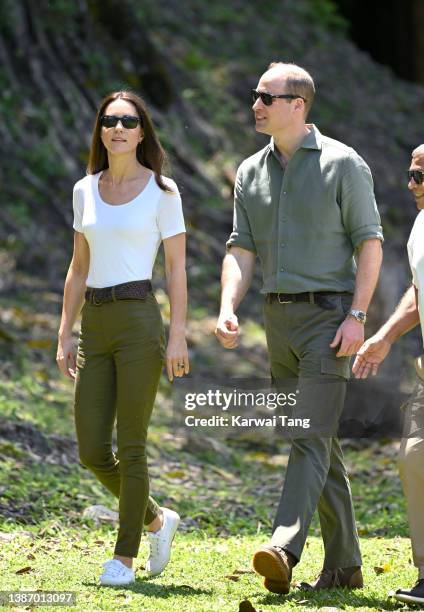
[149,152]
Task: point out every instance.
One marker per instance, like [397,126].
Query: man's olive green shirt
[304,221]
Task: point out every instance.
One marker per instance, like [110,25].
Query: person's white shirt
[124,238]
[416,261]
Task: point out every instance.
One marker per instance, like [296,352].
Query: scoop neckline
[99,197]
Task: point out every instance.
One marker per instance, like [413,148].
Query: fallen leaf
[40,343]
[382,569]
[25,570]
[233,578]
[176,474]
[243,571]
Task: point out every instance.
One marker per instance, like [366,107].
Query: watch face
[359,315]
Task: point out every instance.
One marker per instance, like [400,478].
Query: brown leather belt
[133,290]
[307,296]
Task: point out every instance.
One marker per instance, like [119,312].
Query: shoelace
[154,541]
[112,568]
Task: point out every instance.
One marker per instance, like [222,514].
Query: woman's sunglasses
[417,175]
[268,98]
[129,122]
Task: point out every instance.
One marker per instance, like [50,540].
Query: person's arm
[375,349]
[237,272]
[176,281]
[350,335]
[73,299]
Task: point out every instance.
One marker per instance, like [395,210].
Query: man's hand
[350,337]
[370,356]
[227,330]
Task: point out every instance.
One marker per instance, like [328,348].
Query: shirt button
[283,219]
[283,244]
[281,269]
[284,192]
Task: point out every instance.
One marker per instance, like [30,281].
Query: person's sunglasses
[417,175]
[268,98]
[129,122]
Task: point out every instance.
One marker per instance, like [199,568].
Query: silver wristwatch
[359,315]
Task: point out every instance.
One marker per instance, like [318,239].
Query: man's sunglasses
[417,175]
[268,98]
[129,122]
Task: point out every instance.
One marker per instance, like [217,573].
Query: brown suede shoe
[276,566]
[348,577]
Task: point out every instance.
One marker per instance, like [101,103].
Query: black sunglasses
[129,122]
[268,98]
[417,175]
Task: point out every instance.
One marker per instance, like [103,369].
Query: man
[304,204]
[408,314]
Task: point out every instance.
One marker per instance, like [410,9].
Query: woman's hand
[177,363]
[65,357]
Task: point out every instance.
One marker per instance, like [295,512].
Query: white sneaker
[116,573]
[161,542]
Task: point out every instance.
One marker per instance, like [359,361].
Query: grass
[206,573]
[225,490]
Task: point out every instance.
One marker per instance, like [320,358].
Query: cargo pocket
[336,366]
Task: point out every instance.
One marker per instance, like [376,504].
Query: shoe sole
[269,565]
[116,583]
[409,598]
[172,539]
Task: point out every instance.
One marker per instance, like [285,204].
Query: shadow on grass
[145,587]
[333,598]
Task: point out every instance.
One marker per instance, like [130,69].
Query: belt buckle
[283,301]
[93,299]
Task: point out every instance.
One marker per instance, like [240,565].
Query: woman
[123,209]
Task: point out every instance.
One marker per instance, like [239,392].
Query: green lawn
[225,491]
[206,573]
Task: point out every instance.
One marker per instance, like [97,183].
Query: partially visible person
[409,313]
[123,209]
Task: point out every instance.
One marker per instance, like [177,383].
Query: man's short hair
[298,81]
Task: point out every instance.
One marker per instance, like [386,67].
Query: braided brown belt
[133,290]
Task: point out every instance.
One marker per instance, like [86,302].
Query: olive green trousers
[298,337]
[119,362]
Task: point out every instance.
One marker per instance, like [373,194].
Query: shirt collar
[312,140]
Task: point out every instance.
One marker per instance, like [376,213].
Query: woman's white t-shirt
[124,238]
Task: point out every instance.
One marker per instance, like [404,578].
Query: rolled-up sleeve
[359,209]
[241,235]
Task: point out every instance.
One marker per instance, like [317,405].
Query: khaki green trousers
[411,469]
[119,362]
[298,337]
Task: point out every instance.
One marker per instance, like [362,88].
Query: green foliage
[324,13]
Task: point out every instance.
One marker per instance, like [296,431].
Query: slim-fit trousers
[411,470]
[119,361]
[298,338]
